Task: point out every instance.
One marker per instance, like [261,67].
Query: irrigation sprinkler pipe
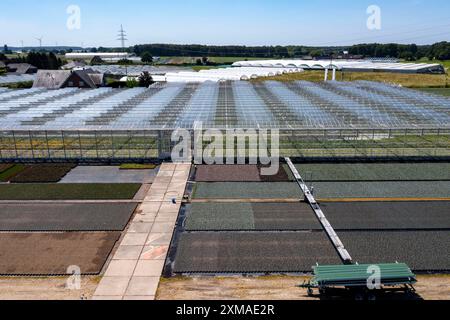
[309,197]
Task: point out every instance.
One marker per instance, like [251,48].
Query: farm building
[57,79]
[21,68]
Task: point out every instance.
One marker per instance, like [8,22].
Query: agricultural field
[47,227]
[405,80]
[445,63]
[362,200]
[441,91]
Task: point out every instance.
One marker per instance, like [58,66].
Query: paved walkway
[136,267]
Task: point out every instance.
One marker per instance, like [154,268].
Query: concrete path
[137,265]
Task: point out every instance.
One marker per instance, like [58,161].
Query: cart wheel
[359,297]
[371,297]
[310,292]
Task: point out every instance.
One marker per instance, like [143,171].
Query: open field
[445,63]
[406,80]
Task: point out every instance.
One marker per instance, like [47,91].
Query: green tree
[316,53]
[96,60]
[145,79]
[407,55]
[6,49]
[53,63]
[125,62]
[147,57]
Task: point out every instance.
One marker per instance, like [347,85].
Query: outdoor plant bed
[43,173]
[5,166]
[77,191]
[10,172]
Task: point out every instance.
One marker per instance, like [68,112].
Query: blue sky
[248,22]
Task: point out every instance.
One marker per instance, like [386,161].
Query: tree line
[176,50]
[440,51]
[41,60]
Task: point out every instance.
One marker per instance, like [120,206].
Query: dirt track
[45,288]
[233,288]
[271,288]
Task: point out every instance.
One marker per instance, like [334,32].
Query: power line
[122,37]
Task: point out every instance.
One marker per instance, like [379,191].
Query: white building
[107,56]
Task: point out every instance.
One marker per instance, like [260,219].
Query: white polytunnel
[350,65]
[231,74]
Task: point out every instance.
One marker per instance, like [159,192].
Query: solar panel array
[294,105]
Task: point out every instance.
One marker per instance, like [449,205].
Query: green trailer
[361,280]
